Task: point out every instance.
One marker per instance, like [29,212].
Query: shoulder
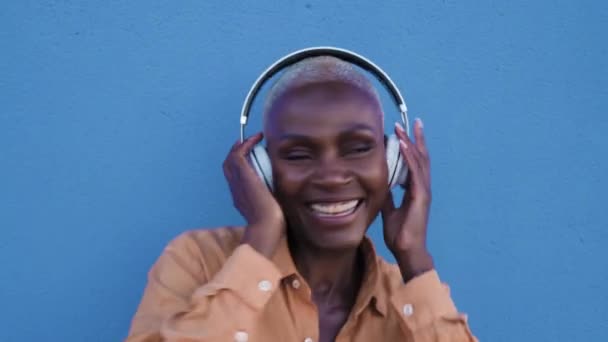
[207,241]
[223,238]
[204,249]
[391,281]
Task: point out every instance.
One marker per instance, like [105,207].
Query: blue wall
[115,117]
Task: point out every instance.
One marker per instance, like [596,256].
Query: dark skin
[326,145]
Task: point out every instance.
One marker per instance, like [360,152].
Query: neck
[334,276]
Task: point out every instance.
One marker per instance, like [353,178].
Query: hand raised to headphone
[405,227]
[265,220]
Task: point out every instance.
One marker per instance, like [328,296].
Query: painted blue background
[115,117]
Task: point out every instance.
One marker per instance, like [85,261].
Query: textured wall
[115,117]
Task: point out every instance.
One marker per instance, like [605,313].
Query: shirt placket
[305,313]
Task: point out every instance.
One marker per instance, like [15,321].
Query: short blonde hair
[314,70]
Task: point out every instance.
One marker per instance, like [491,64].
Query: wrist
[414,262]
[264,238]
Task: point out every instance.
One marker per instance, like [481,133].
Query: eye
[362,148]
[359,149]
[295,155]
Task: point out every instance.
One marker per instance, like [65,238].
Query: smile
[335,209]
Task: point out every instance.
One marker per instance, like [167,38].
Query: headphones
[397,171]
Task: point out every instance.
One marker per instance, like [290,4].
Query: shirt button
[296,284]
[308,339]
[241,336]
[265,285]
[408,309]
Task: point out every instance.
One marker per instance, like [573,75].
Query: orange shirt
[206,286]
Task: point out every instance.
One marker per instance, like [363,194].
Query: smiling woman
[336,134]
[302,269]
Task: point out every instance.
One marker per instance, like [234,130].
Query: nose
[331,173]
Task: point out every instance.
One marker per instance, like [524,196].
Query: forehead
[323,109]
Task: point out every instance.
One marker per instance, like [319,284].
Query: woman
[302,269]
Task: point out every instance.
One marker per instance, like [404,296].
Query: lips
[334,209]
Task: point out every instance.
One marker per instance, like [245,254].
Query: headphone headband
[343,54]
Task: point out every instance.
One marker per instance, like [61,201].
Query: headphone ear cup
[397,170]
[261,163]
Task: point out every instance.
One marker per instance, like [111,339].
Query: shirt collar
[370,292]
[283,260]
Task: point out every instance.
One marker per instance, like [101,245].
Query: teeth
[338,208]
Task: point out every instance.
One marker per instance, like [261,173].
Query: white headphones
[397,171]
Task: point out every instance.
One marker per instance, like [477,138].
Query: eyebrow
[349,129]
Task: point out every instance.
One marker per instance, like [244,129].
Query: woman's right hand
[266,223]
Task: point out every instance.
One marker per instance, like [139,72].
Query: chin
[333,237]
[338,240]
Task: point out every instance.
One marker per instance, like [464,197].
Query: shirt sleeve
[182,302]
[427,312]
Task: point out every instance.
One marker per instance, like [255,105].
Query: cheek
[287,181]
[375,173]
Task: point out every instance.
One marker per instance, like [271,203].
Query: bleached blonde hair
[315,70]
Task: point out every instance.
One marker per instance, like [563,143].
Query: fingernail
[399,127]
[419,121]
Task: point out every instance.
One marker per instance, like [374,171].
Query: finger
[228,159]
[237,162]
[407,148]
[415,185]
[228,164]
[243,166]
[422,149]
[388,206]
[234,146]
[248,144]
[409,159]
[420,138]
[400,131]
[418,159]
[402,135]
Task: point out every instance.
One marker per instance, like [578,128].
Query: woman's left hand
[405,227]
